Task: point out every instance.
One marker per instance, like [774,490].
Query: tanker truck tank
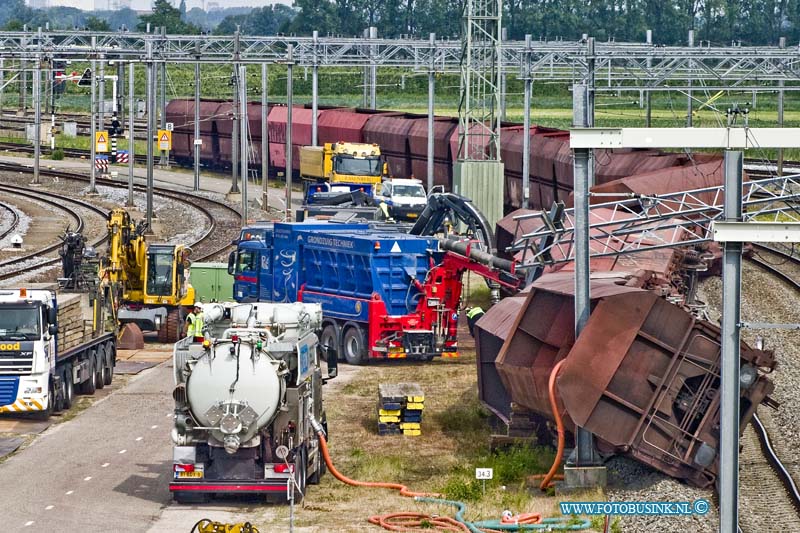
[248,390]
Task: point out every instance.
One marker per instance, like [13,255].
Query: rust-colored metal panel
[490,333]
[668,180]
[276,130]
[544,149]
[346,125]
[506,230]
[390,132]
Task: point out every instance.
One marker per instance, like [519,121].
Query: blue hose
[562,524]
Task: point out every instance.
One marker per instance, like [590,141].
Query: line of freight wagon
[402,138]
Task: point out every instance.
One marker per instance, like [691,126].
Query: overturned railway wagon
[643,375]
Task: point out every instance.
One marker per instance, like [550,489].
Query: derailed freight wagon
[643,376]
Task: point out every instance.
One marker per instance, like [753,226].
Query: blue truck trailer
[383,294]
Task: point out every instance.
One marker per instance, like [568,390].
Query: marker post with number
[483,474]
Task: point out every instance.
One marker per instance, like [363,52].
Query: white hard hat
[198,304]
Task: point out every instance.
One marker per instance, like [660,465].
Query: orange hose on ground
[323,444]
[416,521]
[551,387]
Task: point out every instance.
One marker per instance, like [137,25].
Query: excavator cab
[165,276]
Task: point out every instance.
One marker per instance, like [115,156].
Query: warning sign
[164,140]
[101,141]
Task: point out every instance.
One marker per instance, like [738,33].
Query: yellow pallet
[415,406]
[389,412]
[409,425]
[415,399]
[389,419]
[412,432]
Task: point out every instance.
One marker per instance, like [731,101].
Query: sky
[88,5]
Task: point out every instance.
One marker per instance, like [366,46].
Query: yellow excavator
[149,282]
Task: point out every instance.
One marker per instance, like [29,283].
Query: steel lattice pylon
[481,66]
[651,222]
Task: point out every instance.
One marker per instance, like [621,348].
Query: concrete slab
[21,425]
[9,445]
[133,367]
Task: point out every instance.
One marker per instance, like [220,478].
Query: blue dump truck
[383,294]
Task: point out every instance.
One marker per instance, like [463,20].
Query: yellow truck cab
[343,162]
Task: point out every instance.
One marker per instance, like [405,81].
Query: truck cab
[404,198]
[342,167]
[27,348]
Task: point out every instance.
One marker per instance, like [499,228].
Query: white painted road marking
[153,427]
[48,507]
[87,478]
[30,523]
[123,451]
[70,492]
[104,465]
[138,439]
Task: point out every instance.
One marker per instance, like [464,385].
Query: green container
[211,282]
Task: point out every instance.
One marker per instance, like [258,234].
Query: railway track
[224,222]
[27,263]
[789,263]
[784,265]
[14,220]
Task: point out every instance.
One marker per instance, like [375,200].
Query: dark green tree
[97,24]
[166,16]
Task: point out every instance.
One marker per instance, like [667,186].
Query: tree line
[719,22]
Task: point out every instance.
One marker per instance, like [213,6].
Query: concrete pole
[365,84]
[648,94]
[151,126]
[729,377]
[584,454]
[23,77]
[235,132]
[196,143]
[781,44]
[314,93]
[526,129]
[131,132]
[243,123]
[2,84]
[93,127]
[289,103]
[163,161]
[431,96]
[502,103]
[101,111]
[37,121]
[264,137]
[373,71]
[689,103]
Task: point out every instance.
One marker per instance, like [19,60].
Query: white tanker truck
[244,403]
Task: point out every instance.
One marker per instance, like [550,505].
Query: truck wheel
[89,386]
[99,366]
[51,397]
[108,365]
[69,388]
[331,339]
[170,329]
[300,473]
[354,346]
[319,469]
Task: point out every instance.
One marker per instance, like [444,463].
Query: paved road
[77,477]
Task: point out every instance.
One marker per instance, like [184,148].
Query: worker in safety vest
[195,320]
[473,315]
